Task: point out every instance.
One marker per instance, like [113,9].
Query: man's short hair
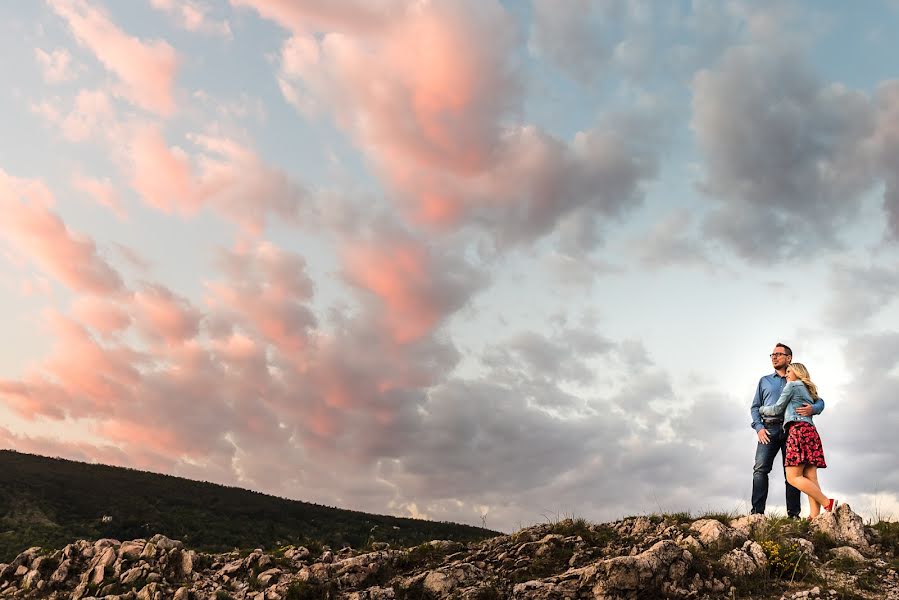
[786,348]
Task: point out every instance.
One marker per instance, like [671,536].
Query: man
[769,430]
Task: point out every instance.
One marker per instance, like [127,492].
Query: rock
[131,550]
[148,592]
[97,575]
[187,562]
[807,547]
[296,554]
[61,573]
[103,543]
[446,579]
[715,534]
[848,553]
[749,525]
[149,551]
[748,560]
[843,526]
[165,544]
[690,543]
[664,561]
[132,575]
[182,594]
[30,579]
[233,567]
[104,556]
[268,576]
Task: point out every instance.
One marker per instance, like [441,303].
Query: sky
[466,260]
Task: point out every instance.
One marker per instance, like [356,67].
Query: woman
[805,454]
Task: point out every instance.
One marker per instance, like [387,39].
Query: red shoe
[832,505]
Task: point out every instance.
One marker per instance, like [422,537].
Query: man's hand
[805,410]
[763,436]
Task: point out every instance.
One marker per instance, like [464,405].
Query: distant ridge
[49,502]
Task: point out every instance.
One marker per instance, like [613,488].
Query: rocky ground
[834,556]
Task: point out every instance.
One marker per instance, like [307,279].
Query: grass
[722,517]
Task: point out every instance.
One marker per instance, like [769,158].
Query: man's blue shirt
[767,392]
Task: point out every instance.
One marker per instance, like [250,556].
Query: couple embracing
[782,411]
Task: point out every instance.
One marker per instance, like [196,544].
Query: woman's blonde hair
[802,374]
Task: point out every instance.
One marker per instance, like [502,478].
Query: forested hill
[49,502]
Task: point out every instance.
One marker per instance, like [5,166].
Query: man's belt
[772,419]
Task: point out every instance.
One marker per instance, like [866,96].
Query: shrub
[786,560]
[889,535]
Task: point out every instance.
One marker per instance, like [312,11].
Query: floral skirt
[804,446]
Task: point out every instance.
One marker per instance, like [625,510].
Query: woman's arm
[781,405]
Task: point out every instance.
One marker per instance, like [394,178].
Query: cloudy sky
[467,260]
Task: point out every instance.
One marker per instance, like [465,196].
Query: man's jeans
[764,461]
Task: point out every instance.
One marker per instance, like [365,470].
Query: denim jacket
[794,395]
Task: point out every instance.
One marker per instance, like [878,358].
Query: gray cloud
[859,293]
[671,241]
[572,36]
[781,152]
[884,148]
[861,429]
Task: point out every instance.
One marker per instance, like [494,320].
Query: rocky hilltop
[674,556]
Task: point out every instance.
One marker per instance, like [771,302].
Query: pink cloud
[101,314]
[91,115]
[71,450]
[318,15]
[193,16]
[416,286]
[145,69]
[162,175]
[160,314]
[399,274]
[444,80]
[80,378]
[221,174]
[56,65]
[267,290]
[101,191]
[431,96]
[95,376]
[33,397]
[36,232]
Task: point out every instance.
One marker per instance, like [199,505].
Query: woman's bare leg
[807,486]
[811,473]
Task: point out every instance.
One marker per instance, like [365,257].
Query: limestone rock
[749,525]
[715,534]
[646,571]
[131,550]
[164,543]
[843,526]
[443,581]
[748,560]
[848,553]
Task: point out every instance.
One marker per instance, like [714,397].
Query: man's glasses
[778,354]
